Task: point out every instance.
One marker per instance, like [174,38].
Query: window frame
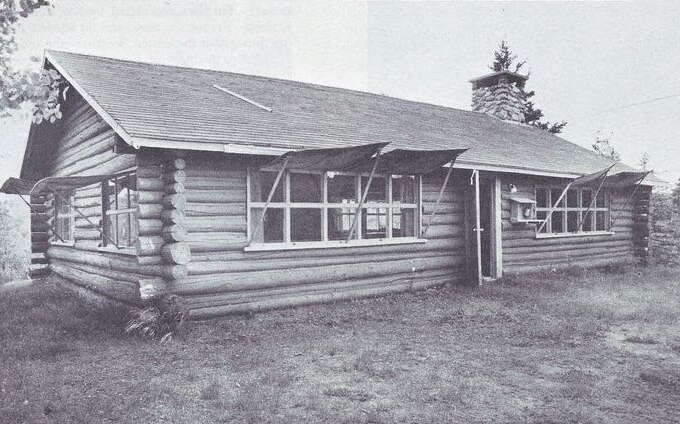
[287,205]
[107,213]
[581,208]
[57,215]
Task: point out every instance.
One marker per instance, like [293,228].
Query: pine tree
[506,60]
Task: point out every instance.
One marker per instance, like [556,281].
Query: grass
[577,347]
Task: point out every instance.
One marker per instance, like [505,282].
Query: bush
[160,319]
[15,239]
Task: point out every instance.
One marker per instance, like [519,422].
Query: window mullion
[324,208]
[388,227]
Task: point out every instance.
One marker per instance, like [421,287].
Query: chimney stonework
[500,94]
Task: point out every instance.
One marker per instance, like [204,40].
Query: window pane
[542,198]
[601,221]
[305,188]
[557,220]
[378,190]
[125,230]
[541,215]
[587,221]
[586,197]
[305,224]
[374,223]
[554,195]
[572,221]
[600,200]
[342,188]
[260,185]
[403,222]
[339,223]
[271,229]
[404,189]
[572,198]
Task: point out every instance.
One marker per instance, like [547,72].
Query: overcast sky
[600,66]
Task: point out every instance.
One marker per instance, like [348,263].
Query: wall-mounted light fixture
[513,188]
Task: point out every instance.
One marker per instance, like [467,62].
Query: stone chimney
[500,94]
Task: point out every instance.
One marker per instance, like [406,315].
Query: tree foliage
[675,196]
[604,148]
[19,87]
[506,60]
[644,161]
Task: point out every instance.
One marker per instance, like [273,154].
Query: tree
[603,147]
[644,161]
[675,196]
[506,60]
[19,87]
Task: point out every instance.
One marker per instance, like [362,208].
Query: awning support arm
[439,198]
[98,227]
[553,207]
[592,203]
[27,204]
[628,200]
[269,199]
[363,197]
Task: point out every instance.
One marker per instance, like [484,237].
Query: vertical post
[496,229]
[363,197]
[477,229]
[439,198]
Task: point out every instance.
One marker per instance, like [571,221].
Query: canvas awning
[625,179]
[335,159]
[412,162]
[57,184]
[17,186]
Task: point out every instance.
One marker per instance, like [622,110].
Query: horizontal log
[567,263]
[150,184]
[100,164]
[149,211]
[96,145]
[207,183]
[148,227]
[571,241]
[176,176]
[173,233]
[176,253]
[107,286]
[176,163]
[309,299]
[216,299]
[349,257]
[216,224]
[39,237]
[539,257]
[442,245]
[39,227]
[215,209]
[130,276]
[276,278]
[173,216]
[152,287]
[151,197]
[88,234]
[149,171]
[216,196]
[177,201]
[175,188]
[197,171]
[149,246]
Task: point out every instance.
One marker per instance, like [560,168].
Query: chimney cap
[493,78]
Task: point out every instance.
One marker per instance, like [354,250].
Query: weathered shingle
[167,103]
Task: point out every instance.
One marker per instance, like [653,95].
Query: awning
[336,159]
[625,179]
[17,186]
[412,162]
[591,179]
[56,184]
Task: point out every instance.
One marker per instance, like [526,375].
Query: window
[571,210]
[321,207]
[119,203]
[63,218]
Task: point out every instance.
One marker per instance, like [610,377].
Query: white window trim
[324,243]
[581,208]
[72,222]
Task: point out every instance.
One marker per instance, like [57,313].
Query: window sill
[127,251]
[260,247]
[567,235]
[63,243]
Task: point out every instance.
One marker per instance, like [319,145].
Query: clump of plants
[161,318]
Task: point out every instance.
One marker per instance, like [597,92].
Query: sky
[607,68]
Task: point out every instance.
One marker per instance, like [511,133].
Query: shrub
[160,319]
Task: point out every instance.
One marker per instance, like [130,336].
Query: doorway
[485,222]
[483,227]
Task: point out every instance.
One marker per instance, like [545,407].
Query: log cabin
[244,193]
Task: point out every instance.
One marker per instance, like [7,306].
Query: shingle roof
[162,103]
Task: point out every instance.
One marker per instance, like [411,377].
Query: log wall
[223,278]
[523,252]
[85,146]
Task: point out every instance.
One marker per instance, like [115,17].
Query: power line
[655,99]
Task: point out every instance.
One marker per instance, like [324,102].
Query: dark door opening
[485,222]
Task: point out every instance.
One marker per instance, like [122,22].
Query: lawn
[585,347]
